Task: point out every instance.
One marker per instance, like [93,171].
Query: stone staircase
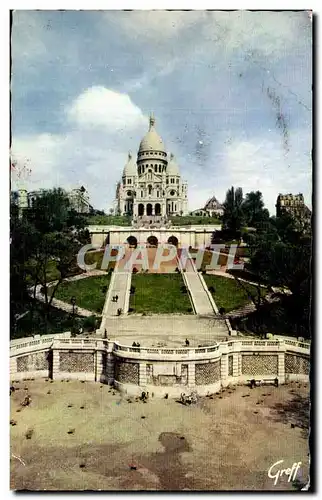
[120,285]
[202,303]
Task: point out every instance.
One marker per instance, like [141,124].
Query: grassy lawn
[159,294]
[34,323]
[191,219]
[109,220]
[88,292]
[92,257]
[228,293]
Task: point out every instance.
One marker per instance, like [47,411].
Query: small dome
[152,141]
[131,167]
[172,168]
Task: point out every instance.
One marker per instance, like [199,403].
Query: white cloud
[259,164]
[101,107]
[92,154]
[39,153]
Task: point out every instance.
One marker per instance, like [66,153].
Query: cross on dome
[152,120]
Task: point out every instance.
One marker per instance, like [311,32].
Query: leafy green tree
[253,209]
[233,216]
[282,258]
[45,240]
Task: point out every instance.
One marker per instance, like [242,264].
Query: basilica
[151,184]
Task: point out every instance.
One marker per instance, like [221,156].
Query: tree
[282,258]
[253,209]
[50,234]
[233,216]
[20,253]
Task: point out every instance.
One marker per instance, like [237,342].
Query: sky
[231,93]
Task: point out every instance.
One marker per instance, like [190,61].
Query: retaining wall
[164,370]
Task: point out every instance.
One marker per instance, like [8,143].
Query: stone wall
[126,373]
[230,366]
[257,364]
[297,364]
[168,374]
[207,373]
[161,370]
[22,364]
[72,361]
[35,361]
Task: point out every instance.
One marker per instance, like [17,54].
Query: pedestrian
[116,298]
[187,343]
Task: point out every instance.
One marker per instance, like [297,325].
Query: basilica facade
[151,183]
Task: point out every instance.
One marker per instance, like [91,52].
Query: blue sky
[231,92]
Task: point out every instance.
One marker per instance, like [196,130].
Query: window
[129,193]
[177,181]
[172,180]
[167,181]
[129,181]
[155,168]
[141,194]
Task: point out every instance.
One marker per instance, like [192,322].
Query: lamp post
[73,302]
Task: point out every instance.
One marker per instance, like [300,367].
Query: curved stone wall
[161,371]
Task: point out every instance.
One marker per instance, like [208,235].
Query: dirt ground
[84,435]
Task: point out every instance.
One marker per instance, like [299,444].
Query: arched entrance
[132,241]
[149,209]
[141,209]
[173,241]
[152,241]
[157,209]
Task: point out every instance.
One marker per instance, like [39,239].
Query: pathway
[201,298]
[120,285]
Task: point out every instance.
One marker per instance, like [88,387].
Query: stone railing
[162,352]
[35,343]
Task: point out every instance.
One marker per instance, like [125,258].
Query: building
[294,205]
[211,209]
[79,199]
[151,183]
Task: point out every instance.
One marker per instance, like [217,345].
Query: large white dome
[152,141]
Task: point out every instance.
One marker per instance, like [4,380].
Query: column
[110,368]
[99,365]
[142,375]
[224,369]
[236,364]
[281,367]
[56,367]
[13,367]
[191,375]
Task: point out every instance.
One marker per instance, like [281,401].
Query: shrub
[89,323]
